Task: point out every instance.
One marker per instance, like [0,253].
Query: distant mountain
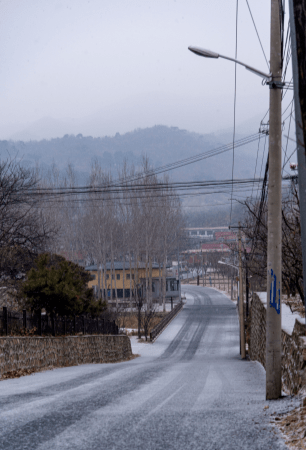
[131,112]
[163,145]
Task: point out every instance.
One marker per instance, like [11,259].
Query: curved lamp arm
[209,54]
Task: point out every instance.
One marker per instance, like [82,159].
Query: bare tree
[255,228]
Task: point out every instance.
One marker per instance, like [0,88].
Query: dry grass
[295,304]
[131,321]
[22,372]
[293,427]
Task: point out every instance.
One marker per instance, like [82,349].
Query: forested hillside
[163,145]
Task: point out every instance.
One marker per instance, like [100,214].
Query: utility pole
[241,312]
[178,275]
[274,253]
[297,85]
[203,272]
[246,284]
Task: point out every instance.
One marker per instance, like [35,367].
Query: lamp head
[202,52]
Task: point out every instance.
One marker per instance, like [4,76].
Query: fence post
[65,326]
[84,324]
[5,321]
[24,317]
[39,322]
[171,303]
[74,324]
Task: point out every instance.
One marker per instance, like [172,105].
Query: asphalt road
[189,390]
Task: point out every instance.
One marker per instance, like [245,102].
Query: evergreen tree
[60,287]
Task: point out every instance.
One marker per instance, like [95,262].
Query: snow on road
[189,390]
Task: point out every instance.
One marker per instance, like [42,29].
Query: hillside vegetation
[163,145]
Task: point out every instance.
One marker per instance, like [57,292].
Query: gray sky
[118,65]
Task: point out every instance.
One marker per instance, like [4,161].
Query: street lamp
[209,54]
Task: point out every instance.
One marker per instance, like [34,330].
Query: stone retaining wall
[294,347]
[44,352]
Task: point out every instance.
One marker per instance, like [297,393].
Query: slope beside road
[188,390]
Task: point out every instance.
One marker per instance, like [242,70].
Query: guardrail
[164,322]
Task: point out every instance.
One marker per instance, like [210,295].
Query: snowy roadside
[154,350]
[288,317]
[292,424]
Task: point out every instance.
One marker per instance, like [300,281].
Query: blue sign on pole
[274,293]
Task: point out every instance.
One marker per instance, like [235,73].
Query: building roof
[215,247]
[118,265]
[225,235]
[207,228]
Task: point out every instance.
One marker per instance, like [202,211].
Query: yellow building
[118,279]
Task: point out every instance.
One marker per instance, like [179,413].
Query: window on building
[118,276]
[128,276]
[107,276]
[172,285]
[93,277]
[113,277]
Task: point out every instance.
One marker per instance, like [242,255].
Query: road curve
[189,390]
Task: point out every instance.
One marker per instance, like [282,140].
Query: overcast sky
[125,64]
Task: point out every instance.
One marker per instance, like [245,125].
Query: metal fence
[164,322]
[14,323]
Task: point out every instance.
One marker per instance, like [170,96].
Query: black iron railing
[25,323]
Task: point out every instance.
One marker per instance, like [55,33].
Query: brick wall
[293,347]
[45,352]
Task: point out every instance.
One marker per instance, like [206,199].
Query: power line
[287,138]
[234,130]
[289,158]
[258,34]
[256,161]
[177,164]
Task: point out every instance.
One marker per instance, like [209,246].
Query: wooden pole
[241,312]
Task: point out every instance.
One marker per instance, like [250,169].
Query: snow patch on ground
[147,349]
[288,318]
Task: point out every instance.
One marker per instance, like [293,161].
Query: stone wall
[37,353]
[294,347]
[257,331]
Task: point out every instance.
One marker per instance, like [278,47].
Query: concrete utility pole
[241,312]
[178,275]
[274,272]
[246,284]
[297,81]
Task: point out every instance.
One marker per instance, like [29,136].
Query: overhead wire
[258,34]
[256,161]
[235,97]
[178,164]
[285,153]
